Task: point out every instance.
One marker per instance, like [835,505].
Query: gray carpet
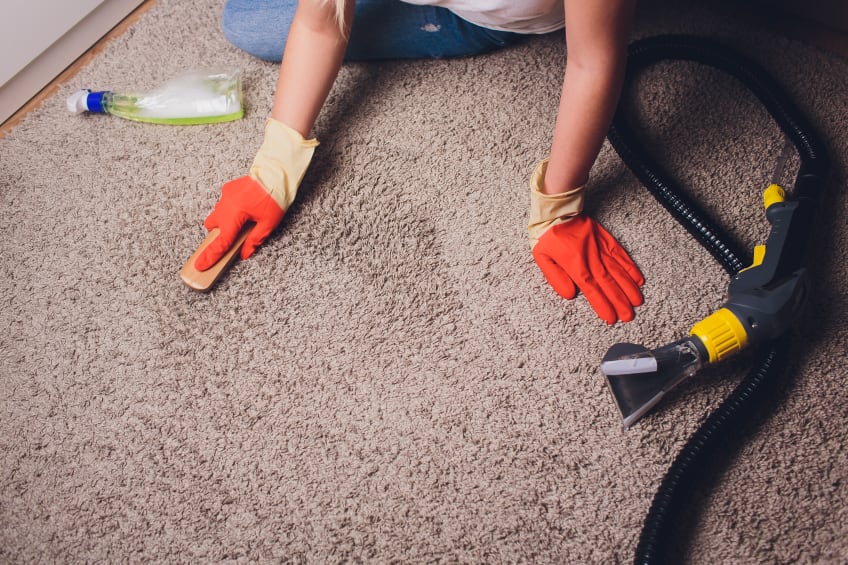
[390,379]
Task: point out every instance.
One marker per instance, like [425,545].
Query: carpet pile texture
[389,378]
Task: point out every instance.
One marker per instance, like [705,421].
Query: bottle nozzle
[78,102]
[87,101]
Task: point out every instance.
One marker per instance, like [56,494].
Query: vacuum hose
[670,498]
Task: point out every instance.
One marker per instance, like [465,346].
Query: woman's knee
[259,27]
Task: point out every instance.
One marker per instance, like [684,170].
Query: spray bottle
[195,97]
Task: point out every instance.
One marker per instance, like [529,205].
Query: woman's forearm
[597,33]
[313,56]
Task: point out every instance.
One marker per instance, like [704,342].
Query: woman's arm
[572,250]
[311,61]
[597,33]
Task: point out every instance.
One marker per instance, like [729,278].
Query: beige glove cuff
[282,161]
[548,210]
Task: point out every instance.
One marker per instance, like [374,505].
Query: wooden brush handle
[202,281]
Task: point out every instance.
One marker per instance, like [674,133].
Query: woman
[572,250]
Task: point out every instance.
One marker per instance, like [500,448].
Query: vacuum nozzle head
[638,378]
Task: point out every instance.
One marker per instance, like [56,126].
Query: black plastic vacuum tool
[763,302]
[764,297]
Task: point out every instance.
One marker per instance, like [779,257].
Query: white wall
[40,38]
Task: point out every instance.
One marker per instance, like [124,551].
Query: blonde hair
[339,7]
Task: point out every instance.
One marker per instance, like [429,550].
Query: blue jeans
[382,29]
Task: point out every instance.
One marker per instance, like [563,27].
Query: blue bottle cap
[94,101]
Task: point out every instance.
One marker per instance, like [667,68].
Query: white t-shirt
[518,16]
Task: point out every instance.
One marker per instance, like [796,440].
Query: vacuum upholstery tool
[763,302]
[764,296]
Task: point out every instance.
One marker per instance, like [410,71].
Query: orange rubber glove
[574,251]
[242,200]
[263,196]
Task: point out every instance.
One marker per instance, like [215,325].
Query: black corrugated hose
[670,499]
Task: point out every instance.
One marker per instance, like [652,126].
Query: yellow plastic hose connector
[721,333]
[773,194]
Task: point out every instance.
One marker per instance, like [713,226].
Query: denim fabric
[382,29]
